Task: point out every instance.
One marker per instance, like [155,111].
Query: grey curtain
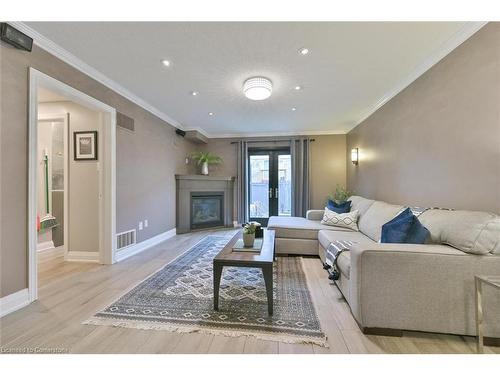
[241,182]
[300,152]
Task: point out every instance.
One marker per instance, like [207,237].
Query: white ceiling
[352,68]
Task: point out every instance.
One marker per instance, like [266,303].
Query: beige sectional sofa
[395,287]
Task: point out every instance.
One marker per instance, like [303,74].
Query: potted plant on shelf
[205,159]
[249,234]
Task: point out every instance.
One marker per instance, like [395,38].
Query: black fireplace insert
[207,209]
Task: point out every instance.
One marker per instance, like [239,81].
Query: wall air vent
[125,239]
[125,122]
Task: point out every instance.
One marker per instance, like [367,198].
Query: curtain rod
[279,140]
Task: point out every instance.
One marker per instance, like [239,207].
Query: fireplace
[207,209]
[203,202]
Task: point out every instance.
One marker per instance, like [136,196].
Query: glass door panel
[284,191]
[269,185]
[259,189]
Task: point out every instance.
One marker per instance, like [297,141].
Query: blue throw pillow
[404,228]
[418,233]
[340,208]
[396,230]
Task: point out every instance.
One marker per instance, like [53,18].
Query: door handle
[276,193]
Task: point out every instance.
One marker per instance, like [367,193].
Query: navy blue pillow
[340,208]
[418,233]
[396,230]
[404,228]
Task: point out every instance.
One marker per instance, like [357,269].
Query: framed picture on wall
[85,145]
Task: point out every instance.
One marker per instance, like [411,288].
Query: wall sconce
[355,156]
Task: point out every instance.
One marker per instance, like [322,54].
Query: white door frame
[108,162]
[64,118]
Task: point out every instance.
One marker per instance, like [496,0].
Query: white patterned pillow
[347,220]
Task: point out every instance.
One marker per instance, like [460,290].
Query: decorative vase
[204,169]
[248,239]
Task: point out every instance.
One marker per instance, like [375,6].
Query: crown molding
[62,54]
[277,134]
[453,42]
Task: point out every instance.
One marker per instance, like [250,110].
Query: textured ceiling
[351,67]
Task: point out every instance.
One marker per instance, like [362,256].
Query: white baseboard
[144,245]
[14,301]
[43,246]
[82,256]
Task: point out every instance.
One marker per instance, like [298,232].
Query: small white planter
[248,239]
[204,169]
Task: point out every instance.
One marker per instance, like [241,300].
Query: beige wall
[83,194]
[328,167]
[146,160]
[328,163]
[437,143]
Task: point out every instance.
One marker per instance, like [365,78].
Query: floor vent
[125,239]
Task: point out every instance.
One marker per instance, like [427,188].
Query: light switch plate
[140,225]
[146,223]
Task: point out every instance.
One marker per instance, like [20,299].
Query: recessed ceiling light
[165,62]
[211,113]
[298,88]
[194,93]
[303,51]
[294,109]
[258,88]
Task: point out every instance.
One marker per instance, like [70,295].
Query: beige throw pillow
[347,220]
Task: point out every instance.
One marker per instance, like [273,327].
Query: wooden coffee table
[263,260]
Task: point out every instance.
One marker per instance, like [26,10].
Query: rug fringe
[288,339]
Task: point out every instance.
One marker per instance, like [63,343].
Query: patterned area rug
[179,298]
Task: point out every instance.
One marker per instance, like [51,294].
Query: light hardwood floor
[69,293]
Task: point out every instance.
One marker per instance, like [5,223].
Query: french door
[269,184]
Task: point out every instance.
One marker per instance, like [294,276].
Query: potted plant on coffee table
[249,234]
[205,159]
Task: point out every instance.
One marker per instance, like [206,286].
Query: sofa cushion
[361,204]
[347,220]
[326,237]
[377,215]
[344,263]
[298,227]
[469,231]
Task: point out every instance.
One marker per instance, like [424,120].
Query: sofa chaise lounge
[393,287]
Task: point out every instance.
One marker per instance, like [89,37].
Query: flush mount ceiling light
[294,109]
[257,88]
[298,87]
[194,93]
[210,113]
[165,63]
[303,51]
